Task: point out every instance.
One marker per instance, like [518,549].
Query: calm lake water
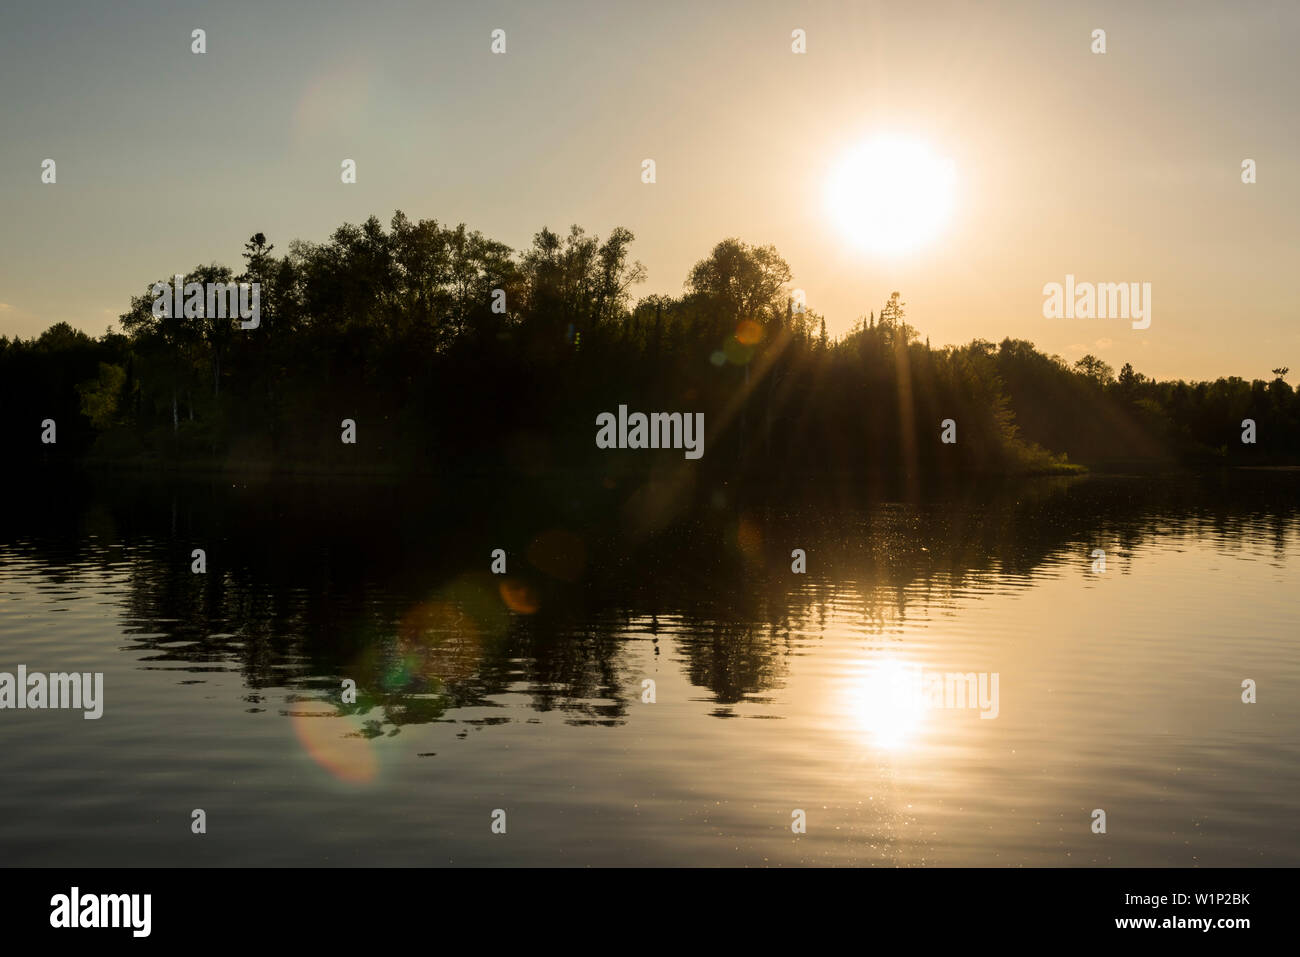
[1118,690]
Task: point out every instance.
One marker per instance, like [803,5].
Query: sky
[1115,167]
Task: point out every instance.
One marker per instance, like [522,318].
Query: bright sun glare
[883,701]
[890,195]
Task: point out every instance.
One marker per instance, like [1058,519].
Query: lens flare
[520,597]
[438,640]
[749,333]
[335,741]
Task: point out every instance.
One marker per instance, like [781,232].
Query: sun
[890,195]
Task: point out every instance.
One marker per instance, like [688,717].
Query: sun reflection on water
[882,700]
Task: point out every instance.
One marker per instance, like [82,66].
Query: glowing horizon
[1117,167]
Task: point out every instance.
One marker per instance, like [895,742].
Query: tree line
[451,350]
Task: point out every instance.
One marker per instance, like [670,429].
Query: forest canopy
[449,349]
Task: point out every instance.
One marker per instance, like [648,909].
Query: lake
[778,697]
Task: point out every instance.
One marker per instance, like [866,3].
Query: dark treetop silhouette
[397,331]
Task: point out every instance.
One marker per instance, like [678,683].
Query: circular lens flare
[334,741]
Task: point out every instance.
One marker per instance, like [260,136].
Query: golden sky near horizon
[1115,167]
